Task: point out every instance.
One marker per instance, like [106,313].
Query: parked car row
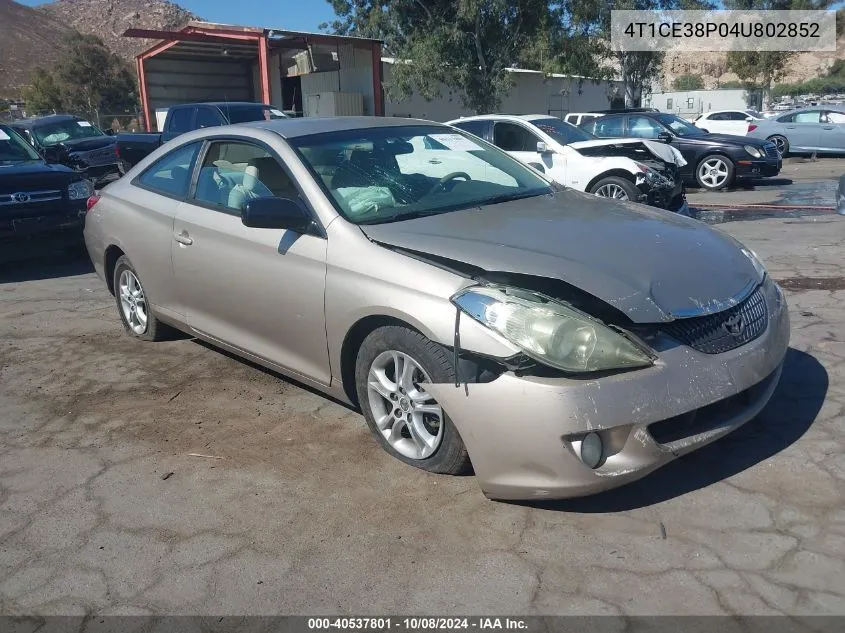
[480,315]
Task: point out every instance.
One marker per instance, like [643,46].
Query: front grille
[28,197]
[771,150]
[723,331]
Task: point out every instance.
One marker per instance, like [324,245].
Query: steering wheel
[441,184]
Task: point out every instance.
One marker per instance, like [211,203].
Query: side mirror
[542,148]
[665,137]
[51,155]
[276,213]
[749,119]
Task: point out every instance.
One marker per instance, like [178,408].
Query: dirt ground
[171,478]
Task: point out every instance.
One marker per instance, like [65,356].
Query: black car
[37,199]
[714,161]
[73,142]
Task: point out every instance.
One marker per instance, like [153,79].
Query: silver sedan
[820,129]
[557,343]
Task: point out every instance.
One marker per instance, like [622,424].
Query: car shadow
[791,411]
[31,262]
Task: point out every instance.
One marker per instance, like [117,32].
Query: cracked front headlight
[756,153]
[551,332]
[80,190]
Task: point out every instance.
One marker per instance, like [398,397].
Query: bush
[688,82]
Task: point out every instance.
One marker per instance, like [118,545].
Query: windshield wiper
[509,197]
[398,217]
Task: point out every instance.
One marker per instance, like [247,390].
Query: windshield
[246,114]
[679,126]
[387,174]
[14,149]
[51,133]
[564,133]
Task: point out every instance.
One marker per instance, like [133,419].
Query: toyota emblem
[20,197]
[734,325]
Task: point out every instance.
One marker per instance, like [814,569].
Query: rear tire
[133,306]
[781,144]
[616,188]
[393,364]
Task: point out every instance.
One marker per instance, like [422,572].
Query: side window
[473,127]
[786,118]
[180,120]
[717,116]
[609,127]
[808,117]
[514,138]
[835,117]
[233,173]
[736,116]
[643,127]
[171,174]
[206,117]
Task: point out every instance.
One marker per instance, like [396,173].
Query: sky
[295,15]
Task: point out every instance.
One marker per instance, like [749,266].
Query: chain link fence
[123,122]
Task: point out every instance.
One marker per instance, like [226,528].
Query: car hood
[86,144]
[35,176]
[729,139]
[652,265]
[658,150]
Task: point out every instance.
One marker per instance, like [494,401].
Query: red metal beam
[195,35]
[264,70]
[145,101]
[378,94]
[157,49]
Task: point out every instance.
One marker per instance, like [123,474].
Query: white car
[727,121]
[577,118]
[639,170]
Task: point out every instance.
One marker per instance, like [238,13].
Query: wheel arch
[618,172]
[112,254]
[353,340]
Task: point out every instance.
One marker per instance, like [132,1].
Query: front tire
[615,187]
[133,305]
[393,365]
[715,172]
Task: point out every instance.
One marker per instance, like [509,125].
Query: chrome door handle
[827,127]
[434,161]
[183,238]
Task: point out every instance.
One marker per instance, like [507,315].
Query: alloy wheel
[133,302]
[406,415]
[713,172]
[612,191]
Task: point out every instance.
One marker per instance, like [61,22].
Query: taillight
[89,204]
[117,150]
[751,127]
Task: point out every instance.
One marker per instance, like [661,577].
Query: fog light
[592,449]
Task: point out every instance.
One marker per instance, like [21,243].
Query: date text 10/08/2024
[418,624]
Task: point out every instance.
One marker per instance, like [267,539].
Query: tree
[758,70]
[88,78]
[42,94]
[465,44]
[688,81]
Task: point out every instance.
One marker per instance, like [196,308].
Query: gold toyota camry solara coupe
[478,314]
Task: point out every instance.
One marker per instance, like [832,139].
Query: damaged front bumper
[663,191]
[523,434]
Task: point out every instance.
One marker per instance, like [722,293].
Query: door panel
[833,132]
[804,130]
[260,290]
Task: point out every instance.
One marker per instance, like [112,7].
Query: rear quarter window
[170,175]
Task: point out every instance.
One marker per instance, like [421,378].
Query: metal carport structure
[206,61]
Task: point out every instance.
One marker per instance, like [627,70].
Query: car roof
[44,120]
[503,117]
[228,104]
[292,128]
[836,107]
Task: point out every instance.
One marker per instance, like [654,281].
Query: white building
[533,92]
[690,103]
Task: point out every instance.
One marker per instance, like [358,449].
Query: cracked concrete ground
[292,508]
